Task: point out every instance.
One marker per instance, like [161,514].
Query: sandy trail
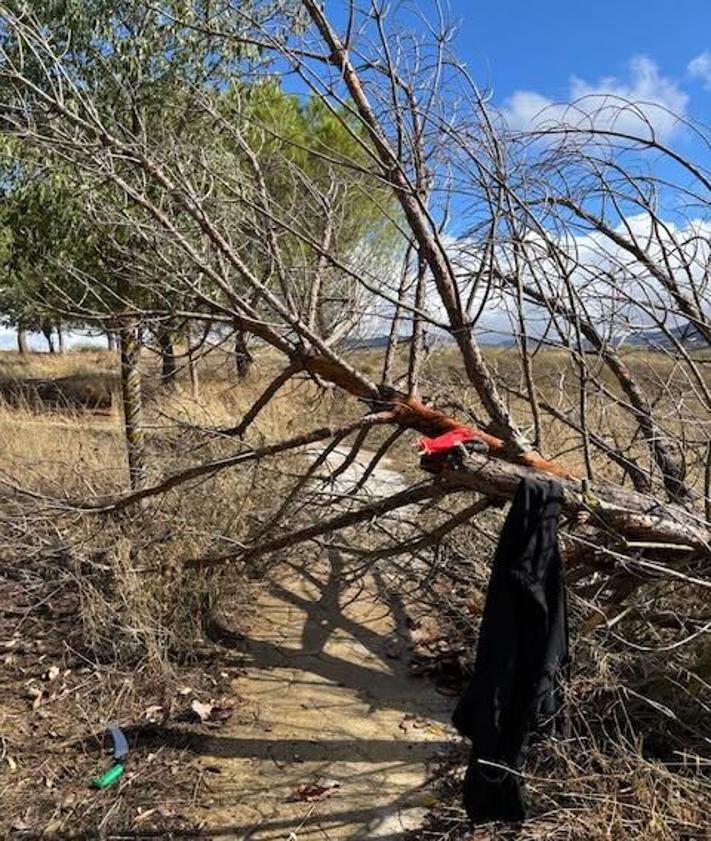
[326,700]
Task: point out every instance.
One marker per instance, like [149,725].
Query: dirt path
[327,702]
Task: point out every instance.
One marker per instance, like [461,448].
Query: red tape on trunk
[442,443]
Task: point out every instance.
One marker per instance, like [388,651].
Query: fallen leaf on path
[153,713]
[142,816]
[427,631]
[36,693]
[412,722]
[312,792]
[210,711]
[202,711]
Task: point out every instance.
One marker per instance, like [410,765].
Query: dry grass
[79,454]
[632,757]
[676,406]
[637,761]
[112,595]
[58,365]
[107,599]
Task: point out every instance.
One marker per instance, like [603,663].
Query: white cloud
[646,98]
[700,68]
[619,294]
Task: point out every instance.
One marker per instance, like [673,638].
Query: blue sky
[538,45]
[556,49]
[535,52]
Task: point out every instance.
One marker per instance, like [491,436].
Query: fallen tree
[635,520]
[519,253]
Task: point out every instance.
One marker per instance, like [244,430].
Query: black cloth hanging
[523,645]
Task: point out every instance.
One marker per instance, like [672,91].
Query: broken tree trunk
[631,515]
[627,514]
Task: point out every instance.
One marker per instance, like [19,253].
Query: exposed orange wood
[410,412]
[414,414]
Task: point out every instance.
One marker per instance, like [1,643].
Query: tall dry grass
[124,573]
[634,758]
[635,763]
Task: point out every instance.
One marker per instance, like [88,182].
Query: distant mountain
[486,338]
[687,334]
[367,343]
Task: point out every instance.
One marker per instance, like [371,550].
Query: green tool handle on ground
[105,780]
[120,752]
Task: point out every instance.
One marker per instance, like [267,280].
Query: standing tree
[41,214]
[138,64]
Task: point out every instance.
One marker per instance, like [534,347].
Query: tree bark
[631,515]
[132,405]
[243,358]
[61,343]
[47,333]
[110,341]
[169,367]
[22,345]
[192,367]
[194,379]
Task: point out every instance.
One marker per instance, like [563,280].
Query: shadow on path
[324,616]
[326,694]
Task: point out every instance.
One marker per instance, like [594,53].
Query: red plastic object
[442,443]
